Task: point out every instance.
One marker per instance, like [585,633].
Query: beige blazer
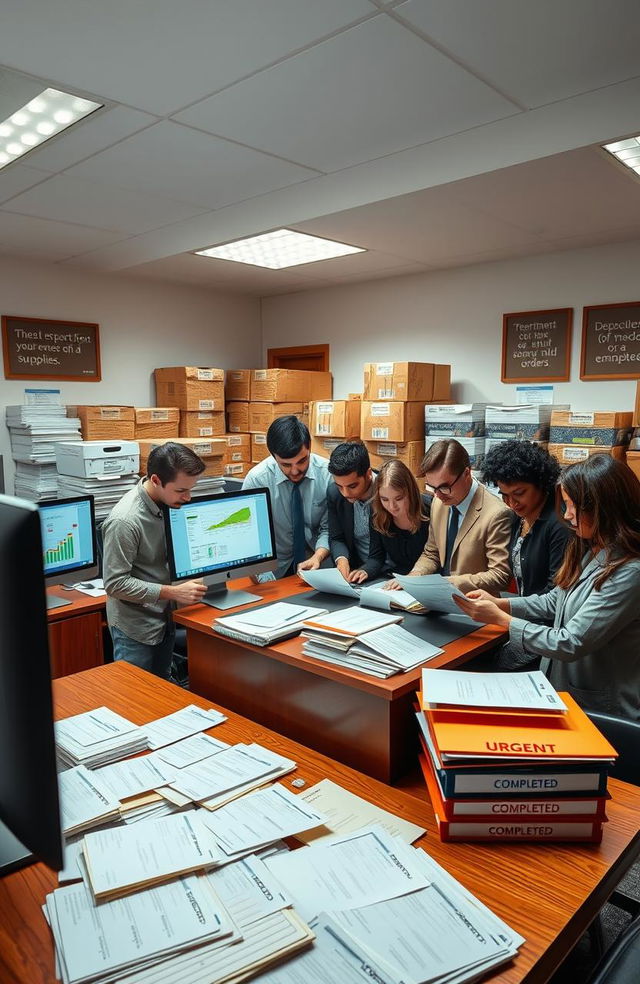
[480,557]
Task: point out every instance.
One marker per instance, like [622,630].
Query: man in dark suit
[349,501]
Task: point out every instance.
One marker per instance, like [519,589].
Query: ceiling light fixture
[627,152]
[280,249]
[49,113]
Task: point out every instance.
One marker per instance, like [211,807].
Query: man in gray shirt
[135,569]
[298,482]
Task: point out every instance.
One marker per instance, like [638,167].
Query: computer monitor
[68,529]
[219,537]
[29,809]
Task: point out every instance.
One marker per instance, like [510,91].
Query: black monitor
[68,529]
[219,537]
[29,809]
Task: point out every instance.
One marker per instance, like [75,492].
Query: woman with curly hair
[587,629]
[527,476]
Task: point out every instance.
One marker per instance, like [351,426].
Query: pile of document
[96,738]
[209,485]
[106,490]
[435,592]
[34,429]
[35,482]
[372,595]
[262,626]
[507,758]
[380,652]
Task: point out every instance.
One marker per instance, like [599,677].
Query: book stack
[506,758]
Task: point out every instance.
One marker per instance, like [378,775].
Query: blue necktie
[452,532]
[297,525]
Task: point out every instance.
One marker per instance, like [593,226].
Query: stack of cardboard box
[198,392]
[210,449]
[332,422]
[104,423]
[576,435]
[156,422]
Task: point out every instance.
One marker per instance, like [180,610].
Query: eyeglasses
[443,489]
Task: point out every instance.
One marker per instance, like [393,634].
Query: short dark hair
[447,452]
[352,456]
[287,435]
[521,461]
[168,459]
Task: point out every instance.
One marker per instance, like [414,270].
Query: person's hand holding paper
[483,607]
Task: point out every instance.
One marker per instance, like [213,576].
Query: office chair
[621,963]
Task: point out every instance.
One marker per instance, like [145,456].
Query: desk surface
[80,604]
[549,893]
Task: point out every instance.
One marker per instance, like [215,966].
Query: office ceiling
[434,133]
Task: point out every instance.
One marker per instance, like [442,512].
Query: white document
[330,581]
[346,812]
[93,726]
[135,775]
[248,890]
[84,799]
[433,591]
[374,597]
[274,616]
[181,724]
[117,860]
[190,750]
[399,647]
[227,770]
[347,872]
[517,691]
[260,818]
[95,588]
[351,621]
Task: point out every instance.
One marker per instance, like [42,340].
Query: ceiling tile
[89,137]
[324,107]
[186,165]
[536,52]
[23,235]
[17,178]
[187,267]
[69,199]
[159,55]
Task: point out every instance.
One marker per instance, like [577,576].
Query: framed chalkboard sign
[38,349]
[611,341]
[536,346]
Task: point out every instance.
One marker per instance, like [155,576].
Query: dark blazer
[341,539]
[542,549]
[399,552]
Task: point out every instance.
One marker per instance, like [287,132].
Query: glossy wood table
[75,631]
[360,720]
[547,892]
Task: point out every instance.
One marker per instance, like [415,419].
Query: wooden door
[315,357]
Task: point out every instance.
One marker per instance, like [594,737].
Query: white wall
[455,316]
[143,324]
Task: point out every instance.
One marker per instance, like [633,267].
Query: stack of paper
[209,485]
[507,758]
[97,737]
[106,490]
[379,653]
[35,482]
[85,801]
[34,429]
[435,592]
[181,724]
[236,770]
[265,625]
[372,595]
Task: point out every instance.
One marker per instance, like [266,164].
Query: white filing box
[94,459]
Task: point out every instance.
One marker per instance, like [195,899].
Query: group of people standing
[563,547]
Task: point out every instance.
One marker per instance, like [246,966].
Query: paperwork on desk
[190,750]
[266,625]
[248,890]
[381,652]
[85,801]
[374,595]
[181,724]
[229,769]
[94,588]
[529,691]
[433,591]
[349,622]
[97,737]
[134,776]
[346,812]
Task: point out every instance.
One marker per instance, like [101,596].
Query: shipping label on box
[237,385]
[289,385]
[237,470]
[392,421]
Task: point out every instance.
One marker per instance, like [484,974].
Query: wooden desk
[75,632]
[549,893]
[357,719]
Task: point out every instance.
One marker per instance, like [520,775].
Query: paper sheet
[346,812]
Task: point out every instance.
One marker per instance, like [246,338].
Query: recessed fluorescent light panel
[280,249]
[48,113]
[627,152]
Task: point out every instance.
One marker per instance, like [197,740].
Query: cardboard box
[104,423]
[325,445]
[290,385]
[262,415]
[156,421]
[418,381]
[455,419]
[475,447]
[204,423]
[237,449]
[411,453]
[190,388]
[568,454]
[238,417]
[603,427]
[392,421]
[259,449]
[211,453]
[237,384]
[335,418]
[633,460]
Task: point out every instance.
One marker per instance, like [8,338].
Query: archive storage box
[104,423]
[325,445]
[262,415]
[475,447]
[211,452]
[602,427]
[530,422]
[190,388]
[392,421]
[568,454]
[335,418]
[259,449]
[238,417]
[156,421]
[411,453]
[455,419]
[419,381]
[290,385]
[97,459]
[237,384]
[203,423]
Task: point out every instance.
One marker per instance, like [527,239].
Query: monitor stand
[219,596]
[54,602]
[13,854]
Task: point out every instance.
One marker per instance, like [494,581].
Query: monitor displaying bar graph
[68,535]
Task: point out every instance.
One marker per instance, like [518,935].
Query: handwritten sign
[38,349]
[611,341]
[536,346]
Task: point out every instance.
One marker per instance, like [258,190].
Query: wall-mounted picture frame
[35,348]
[536,346]
[610,341]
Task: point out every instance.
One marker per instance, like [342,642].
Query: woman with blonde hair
[399,524]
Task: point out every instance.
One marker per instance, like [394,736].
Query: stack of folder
[529,765]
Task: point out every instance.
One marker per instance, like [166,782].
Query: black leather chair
[621,963]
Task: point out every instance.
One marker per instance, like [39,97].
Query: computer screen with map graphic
[219,537]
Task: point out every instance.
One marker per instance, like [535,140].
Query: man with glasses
[470,528]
